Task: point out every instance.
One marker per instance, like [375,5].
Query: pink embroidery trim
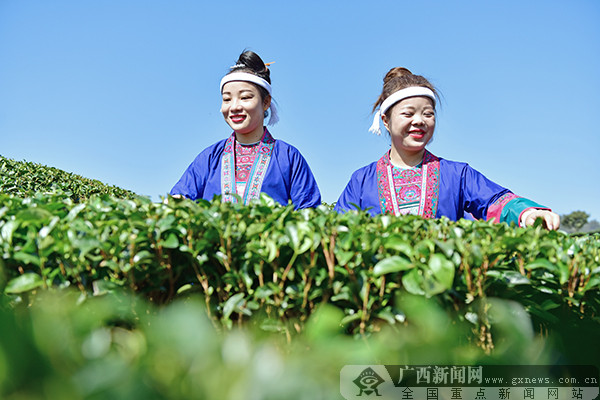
[244,160]
[433,185]
[257,173]
[431,169]
[495,209]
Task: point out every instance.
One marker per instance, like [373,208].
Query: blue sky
[126,91]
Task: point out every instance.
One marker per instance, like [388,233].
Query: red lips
[417,133]
[237,118]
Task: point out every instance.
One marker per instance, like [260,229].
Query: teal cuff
[513,209]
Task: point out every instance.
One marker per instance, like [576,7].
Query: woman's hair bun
[399,78]
[396,72]
[251,62]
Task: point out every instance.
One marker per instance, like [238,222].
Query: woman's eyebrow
[243,91]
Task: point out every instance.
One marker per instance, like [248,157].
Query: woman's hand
[551,220]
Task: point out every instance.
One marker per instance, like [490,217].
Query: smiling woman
[243,108]
[408,179]
[250,161]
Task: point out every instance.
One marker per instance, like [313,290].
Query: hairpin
[267,65]
[237,66]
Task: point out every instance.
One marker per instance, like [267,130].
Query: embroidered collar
[388,193]
[257,173]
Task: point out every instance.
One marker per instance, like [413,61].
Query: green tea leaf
[24,283]
[413,282]
[232,304]
[514,278]
[171,242]
[556,269]
[443,270]
[392,264]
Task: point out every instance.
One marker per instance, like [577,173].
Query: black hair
[251,62]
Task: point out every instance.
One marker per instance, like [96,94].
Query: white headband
[395,97]
[247,77]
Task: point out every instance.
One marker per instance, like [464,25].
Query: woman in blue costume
[250,161]
[408,179]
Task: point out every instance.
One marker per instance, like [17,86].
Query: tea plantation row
[112,297]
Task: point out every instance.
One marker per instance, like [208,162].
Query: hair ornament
[237,66]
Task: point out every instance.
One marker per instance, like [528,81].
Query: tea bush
[101,292]
[25,178]
[282,263]
[115,346]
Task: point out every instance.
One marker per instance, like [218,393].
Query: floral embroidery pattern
[254,174]
[244,160]
[432,191]
[410,191]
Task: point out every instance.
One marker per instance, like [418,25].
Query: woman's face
[243,108]
[411,123]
